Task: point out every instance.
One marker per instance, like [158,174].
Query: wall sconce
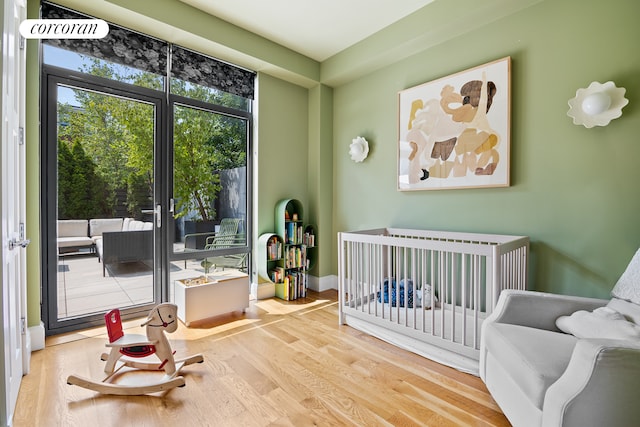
[359,149]
[597,105]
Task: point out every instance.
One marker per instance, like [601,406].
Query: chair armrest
[191,240]
[599,386]
[538,309]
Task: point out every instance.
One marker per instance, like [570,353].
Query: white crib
[427,291]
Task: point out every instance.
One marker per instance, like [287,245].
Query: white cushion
[131,224]
[135,225]
[533,358]
[126,223]
[99,247]
[72,228]
[603,322]
[102,225]
[628,286]
[70,242]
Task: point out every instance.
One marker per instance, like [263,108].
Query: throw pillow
[602,322]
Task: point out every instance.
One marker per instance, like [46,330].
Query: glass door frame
[52,77]
[181,101]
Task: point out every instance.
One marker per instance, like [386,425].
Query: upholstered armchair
[556,360]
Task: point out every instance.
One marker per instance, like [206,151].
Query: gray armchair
[542,376]
[125,246]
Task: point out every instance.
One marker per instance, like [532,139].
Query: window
[146,152]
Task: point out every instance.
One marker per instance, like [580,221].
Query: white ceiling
[315,28]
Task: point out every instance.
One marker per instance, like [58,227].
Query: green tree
[80,191]
[118,136]
[229,143]
[195,182]
[204,144]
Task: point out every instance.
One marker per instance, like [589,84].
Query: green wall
[320,173]
[574,190]
[33,175]
[282,149]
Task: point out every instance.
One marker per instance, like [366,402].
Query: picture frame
[446,140]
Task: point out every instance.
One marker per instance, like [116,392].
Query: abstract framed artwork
[454,132]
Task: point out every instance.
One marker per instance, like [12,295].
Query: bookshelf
[284,257]
[309,239]
[271,263]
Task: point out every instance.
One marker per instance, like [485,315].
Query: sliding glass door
[146,172]
[137,199]
[103,228]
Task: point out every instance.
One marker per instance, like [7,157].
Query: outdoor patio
[82,289]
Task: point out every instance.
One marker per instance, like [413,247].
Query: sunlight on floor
[276,306]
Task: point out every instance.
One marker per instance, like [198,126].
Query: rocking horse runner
[127,347]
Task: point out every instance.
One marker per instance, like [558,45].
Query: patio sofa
[73,234]
[121,240]
[114,239]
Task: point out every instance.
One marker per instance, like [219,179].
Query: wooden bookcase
[284,257]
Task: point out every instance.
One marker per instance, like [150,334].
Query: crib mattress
[446,334]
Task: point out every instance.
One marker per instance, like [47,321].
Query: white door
[13,207]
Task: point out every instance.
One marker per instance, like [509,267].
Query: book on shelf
[293,233]
[296,257]
[286,289]
[295,286]
[309,239]
[274,249]
[277,275]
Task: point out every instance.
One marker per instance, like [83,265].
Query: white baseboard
[37,337]
[263,290]
[318,284]
[325,283]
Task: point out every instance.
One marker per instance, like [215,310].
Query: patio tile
[91,304]
[83,290]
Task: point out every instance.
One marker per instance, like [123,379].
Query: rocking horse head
[163,317]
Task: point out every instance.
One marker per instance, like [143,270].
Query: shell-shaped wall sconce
[597,105]
[359,149]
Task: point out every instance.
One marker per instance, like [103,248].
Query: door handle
[13,243]
[158,212]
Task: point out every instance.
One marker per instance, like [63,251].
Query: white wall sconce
[597,105]
[359,149]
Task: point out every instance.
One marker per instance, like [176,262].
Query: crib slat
[466,272]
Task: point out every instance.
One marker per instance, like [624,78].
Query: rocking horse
[125,348]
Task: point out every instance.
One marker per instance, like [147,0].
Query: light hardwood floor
[279,364]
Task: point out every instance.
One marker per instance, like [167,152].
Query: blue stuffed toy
[395,291]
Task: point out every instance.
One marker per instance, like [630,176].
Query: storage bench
[211,295]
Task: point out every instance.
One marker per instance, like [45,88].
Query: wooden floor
[279,364]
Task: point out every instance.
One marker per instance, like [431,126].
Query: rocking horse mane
[162,317]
